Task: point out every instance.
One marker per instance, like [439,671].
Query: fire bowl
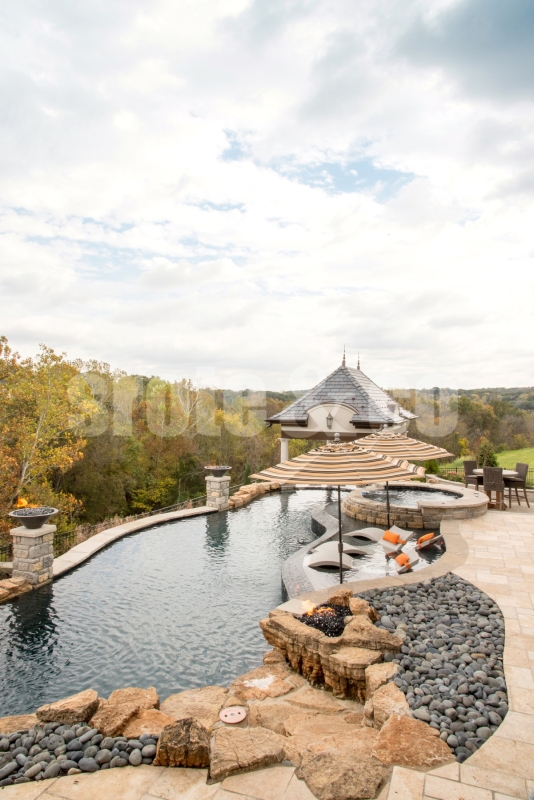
[34,517]
[217,471]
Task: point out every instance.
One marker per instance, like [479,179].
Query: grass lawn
[508,459]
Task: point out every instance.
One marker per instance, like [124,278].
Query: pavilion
[346,402]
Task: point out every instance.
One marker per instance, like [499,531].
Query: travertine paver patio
[499,559]
[148,783]
[501,563]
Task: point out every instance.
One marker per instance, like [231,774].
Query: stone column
[217,492]
[33,554]
[284,449]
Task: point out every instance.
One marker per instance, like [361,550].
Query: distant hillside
[522,397]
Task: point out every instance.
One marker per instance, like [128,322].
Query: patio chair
[520,482]
[494,482]
[469,466]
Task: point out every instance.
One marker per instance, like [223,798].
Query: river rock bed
[49,750]
[450,665]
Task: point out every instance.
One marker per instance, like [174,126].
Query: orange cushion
[425,538]
[394,538]
[403,560]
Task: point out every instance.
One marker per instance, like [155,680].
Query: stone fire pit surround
[338,663]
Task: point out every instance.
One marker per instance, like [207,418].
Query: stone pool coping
[81,552]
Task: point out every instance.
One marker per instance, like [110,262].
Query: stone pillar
[33,554]
[284,449]
[217,492]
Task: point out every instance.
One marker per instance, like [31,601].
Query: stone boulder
[76,708]
[299,643]
[236,750]
[270,715]
[202,704]
[360,607]
[310,699]
[267,681]
[386,701]
[275,657]
[186,743]
[142,698]
[378,675]
[344,671]
[341,775]
[341,597]
[148,720]
[112,718]
[361,632]
[408,742]
[359,740]
[24,722]
[316,726]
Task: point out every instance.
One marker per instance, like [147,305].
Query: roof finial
[343,362]
[358,360]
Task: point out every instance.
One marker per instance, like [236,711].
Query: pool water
[176,606]
[409,497]
[374,563]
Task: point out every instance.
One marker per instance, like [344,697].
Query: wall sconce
[329,421]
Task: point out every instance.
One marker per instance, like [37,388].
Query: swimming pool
[176,606]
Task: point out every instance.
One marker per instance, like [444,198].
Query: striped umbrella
[339,465]
[398,445]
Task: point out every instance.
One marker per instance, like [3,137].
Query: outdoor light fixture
[329,421]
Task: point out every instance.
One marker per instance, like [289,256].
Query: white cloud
[179,190]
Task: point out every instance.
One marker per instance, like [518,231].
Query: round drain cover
[233,714]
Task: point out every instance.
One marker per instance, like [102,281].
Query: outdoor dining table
[506,473]
[499,502]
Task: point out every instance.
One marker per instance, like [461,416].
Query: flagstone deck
[499,559]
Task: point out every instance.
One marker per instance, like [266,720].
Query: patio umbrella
[398,445]
[339,465]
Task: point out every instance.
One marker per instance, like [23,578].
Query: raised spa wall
[424,514]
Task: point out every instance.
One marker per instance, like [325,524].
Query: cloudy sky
[234,189]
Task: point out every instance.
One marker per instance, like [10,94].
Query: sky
[234,190]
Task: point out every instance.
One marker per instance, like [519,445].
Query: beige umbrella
[398,445]
[338,465]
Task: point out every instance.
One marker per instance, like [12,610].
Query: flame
[21,503]
[324,611]
[309,609]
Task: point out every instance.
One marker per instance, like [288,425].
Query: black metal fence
[64,540]
[447,471]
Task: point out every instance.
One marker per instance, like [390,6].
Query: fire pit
[329,619]
[217,471]
[34,518]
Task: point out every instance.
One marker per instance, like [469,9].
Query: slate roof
[352,388]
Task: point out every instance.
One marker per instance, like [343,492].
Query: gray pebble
[135,758]
[148,751]
[88,765]
[91,751]
[103,757]
[52,771]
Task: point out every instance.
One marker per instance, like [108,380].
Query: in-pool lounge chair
[428,540]
[327,555]
[394,539]
[404,562]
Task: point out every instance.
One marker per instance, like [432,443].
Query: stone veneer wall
[428,514]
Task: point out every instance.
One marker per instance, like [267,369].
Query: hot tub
[414,506]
